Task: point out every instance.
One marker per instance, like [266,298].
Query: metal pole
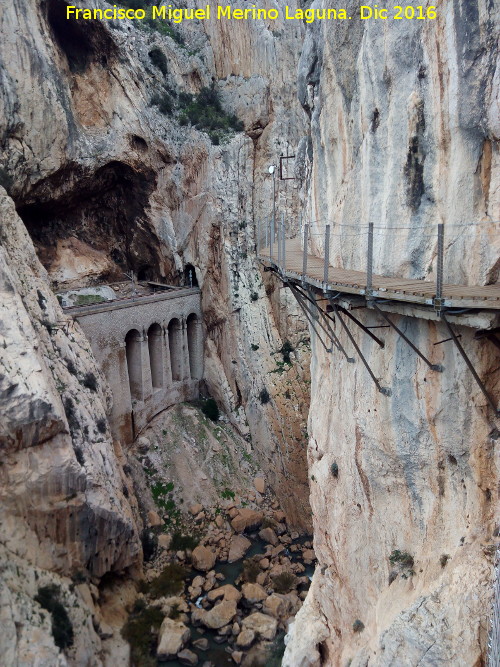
[284,242]
[304,257]
[470,366]
[278,225]
[369,262]
[327,256]
[271,241]
[440,258]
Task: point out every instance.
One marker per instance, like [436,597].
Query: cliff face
[404,130]
[103,183]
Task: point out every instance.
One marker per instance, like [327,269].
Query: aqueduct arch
[151,351]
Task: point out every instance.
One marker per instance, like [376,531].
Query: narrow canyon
[249,336]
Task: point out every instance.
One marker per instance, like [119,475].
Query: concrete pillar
[167,365]
[121,415]
[186,375]
[147,384]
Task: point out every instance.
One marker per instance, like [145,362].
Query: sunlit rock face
[404,130]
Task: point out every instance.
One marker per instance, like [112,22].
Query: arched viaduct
[151,350]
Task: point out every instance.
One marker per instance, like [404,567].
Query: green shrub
[444,560]
[286,349]
[254,347]
[90,381]
[358,626]
[210,409]
[264,396]
[250,570]
[284,582]
[159,60]
[169,582]
[335,469]
[141,632]
[254,296]
[88,299]
[182,542]
[205,112]
[48,597]
[164,102]
[402,558]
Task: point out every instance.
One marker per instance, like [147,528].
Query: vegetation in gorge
[141,632]
[48,598]
[169,582]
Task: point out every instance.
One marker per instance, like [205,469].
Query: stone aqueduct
[151,350]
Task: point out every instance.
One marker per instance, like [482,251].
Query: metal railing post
[304,257]
[283,252]
[278,225]
[327,256]
[271,240]
[369,262]
[439,266]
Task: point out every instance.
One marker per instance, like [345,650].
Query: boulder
[245,638]
[222,614]
[237,656]
[253,593]
[227,592]
[278,606]
[195,509]
[203,558]
[164,541]
[238,548]
[308,555]
[260,484]
[246,518]
[261,624]
[187,657]
[201,643]
[268,535]
[172,637]
[154,519]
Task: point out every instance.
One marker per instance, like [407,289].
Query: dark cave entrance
[190,278]
[82,42]
[106,209]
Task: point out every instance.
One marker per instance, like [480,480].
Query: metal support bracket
[470,366]
[383,390]
[308,316]
[327,319]
[434,367]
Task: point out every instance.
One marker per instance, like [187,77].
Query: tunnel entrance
[190,279]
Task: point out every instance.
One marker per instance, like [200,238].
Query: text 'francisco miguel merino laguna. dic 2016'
[177,15]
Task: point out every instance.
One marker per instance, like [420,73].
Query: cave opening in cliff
[90,228]
[190,278]
[81,42]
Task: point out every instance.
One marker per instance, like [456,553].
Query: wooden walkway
[398,289]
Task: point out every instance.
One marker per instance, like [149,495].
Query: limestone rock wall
[102,183]
[403,132]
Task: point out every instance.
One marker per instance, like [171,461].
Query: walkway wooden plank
[399,289]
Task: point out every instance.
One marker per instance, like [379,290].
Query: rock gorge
[101,175]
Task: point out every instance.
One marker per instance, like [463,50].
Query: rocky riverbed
[225,596]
